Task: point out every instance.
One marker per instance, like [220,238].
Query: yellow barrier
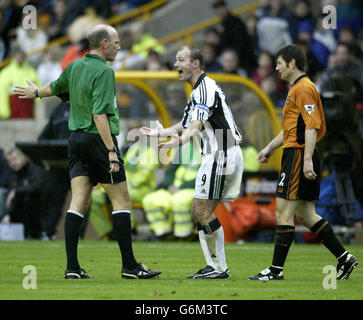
[138,78]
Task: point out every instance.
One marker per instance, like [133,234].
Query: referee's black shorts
[292,184]
[88,156]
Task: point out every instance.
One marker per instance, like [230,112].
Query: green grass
[303,273]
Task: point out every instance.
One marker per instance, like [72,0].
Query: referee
[89,84]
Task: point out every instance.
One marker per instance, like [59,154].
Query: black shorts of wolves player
[88,156]
[292,184]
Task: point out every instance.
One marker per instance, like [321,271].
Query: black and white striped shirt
[208,104]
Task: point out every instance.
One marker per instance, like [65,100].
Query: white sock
[206,252]
[215,243]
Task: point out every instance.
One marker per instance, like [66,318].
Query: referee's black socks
[284,236]
[72,226]
[324,232]
[122,230]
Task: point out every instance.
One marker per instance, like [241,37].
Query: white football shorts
[220,176]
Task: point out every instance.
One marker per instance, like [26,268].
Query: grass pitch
[304,274]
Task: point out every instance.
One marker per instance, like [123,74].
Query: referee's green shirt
[90,82]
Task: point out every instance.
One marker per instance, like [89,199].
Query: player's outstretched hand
[25,92]
[174,142]
[152,132]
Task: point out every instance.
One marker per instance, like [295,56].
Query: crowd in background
[242,46]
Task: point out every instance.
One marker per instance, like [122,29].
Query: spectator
[74,52]
[125,58]
[81,7]
[302,14]
[168,209]
[323,42]
[24,198]
[143,41]
[175,101]
[154,62]
[123,6]
[304,40]
[347,36]
[141,161]
[229,63]
[5,173]
[269,86]
[350,13]
[10,17]
[211,63]
[345,65]
[235,35]
[265,67]
[56,183]
[61,18]
[212,37]
[50,69]
[16,72]
[273,27]
[82,25]
[251,25]
[30,41]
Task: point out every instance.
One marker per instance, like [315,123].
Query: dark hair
[219,3]
[95,37]
[196,54]
[293,51]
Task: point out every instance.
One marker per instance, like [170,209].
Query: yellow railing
[138,78]
[144,12]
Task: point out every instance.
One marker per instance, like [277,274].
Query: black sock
[284,235]
[122,229]
[324,232]
[72,227]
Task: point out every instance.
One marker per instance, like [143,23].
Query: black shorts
[292,184]
[88,156]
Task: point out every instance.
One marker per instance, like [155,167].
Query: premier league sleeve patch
[309,108]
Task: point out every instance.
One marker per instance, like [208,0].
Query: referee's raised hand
[25,92]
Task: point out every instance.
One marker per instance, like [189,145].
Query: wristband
[114,149]
[36,93]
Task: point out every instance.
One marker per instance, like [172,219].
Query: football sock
[72,226]
[122,230]
[214,236]
[284,236]
[203,244]
[324,232]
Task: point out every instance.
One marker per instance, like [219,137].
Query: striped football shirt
[207,103]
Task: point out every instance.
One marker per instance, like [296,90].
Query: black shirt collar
[299,78]
[202,76]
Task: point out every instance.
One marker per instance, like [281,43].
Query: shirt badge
[309,108]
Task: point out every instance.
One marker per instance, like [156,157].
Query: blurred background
[239,39]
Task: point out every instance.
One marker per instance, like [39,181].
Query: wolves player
[303,125]
[219,177]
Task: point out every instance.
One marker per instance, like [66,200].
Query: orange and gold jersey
[303,110]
